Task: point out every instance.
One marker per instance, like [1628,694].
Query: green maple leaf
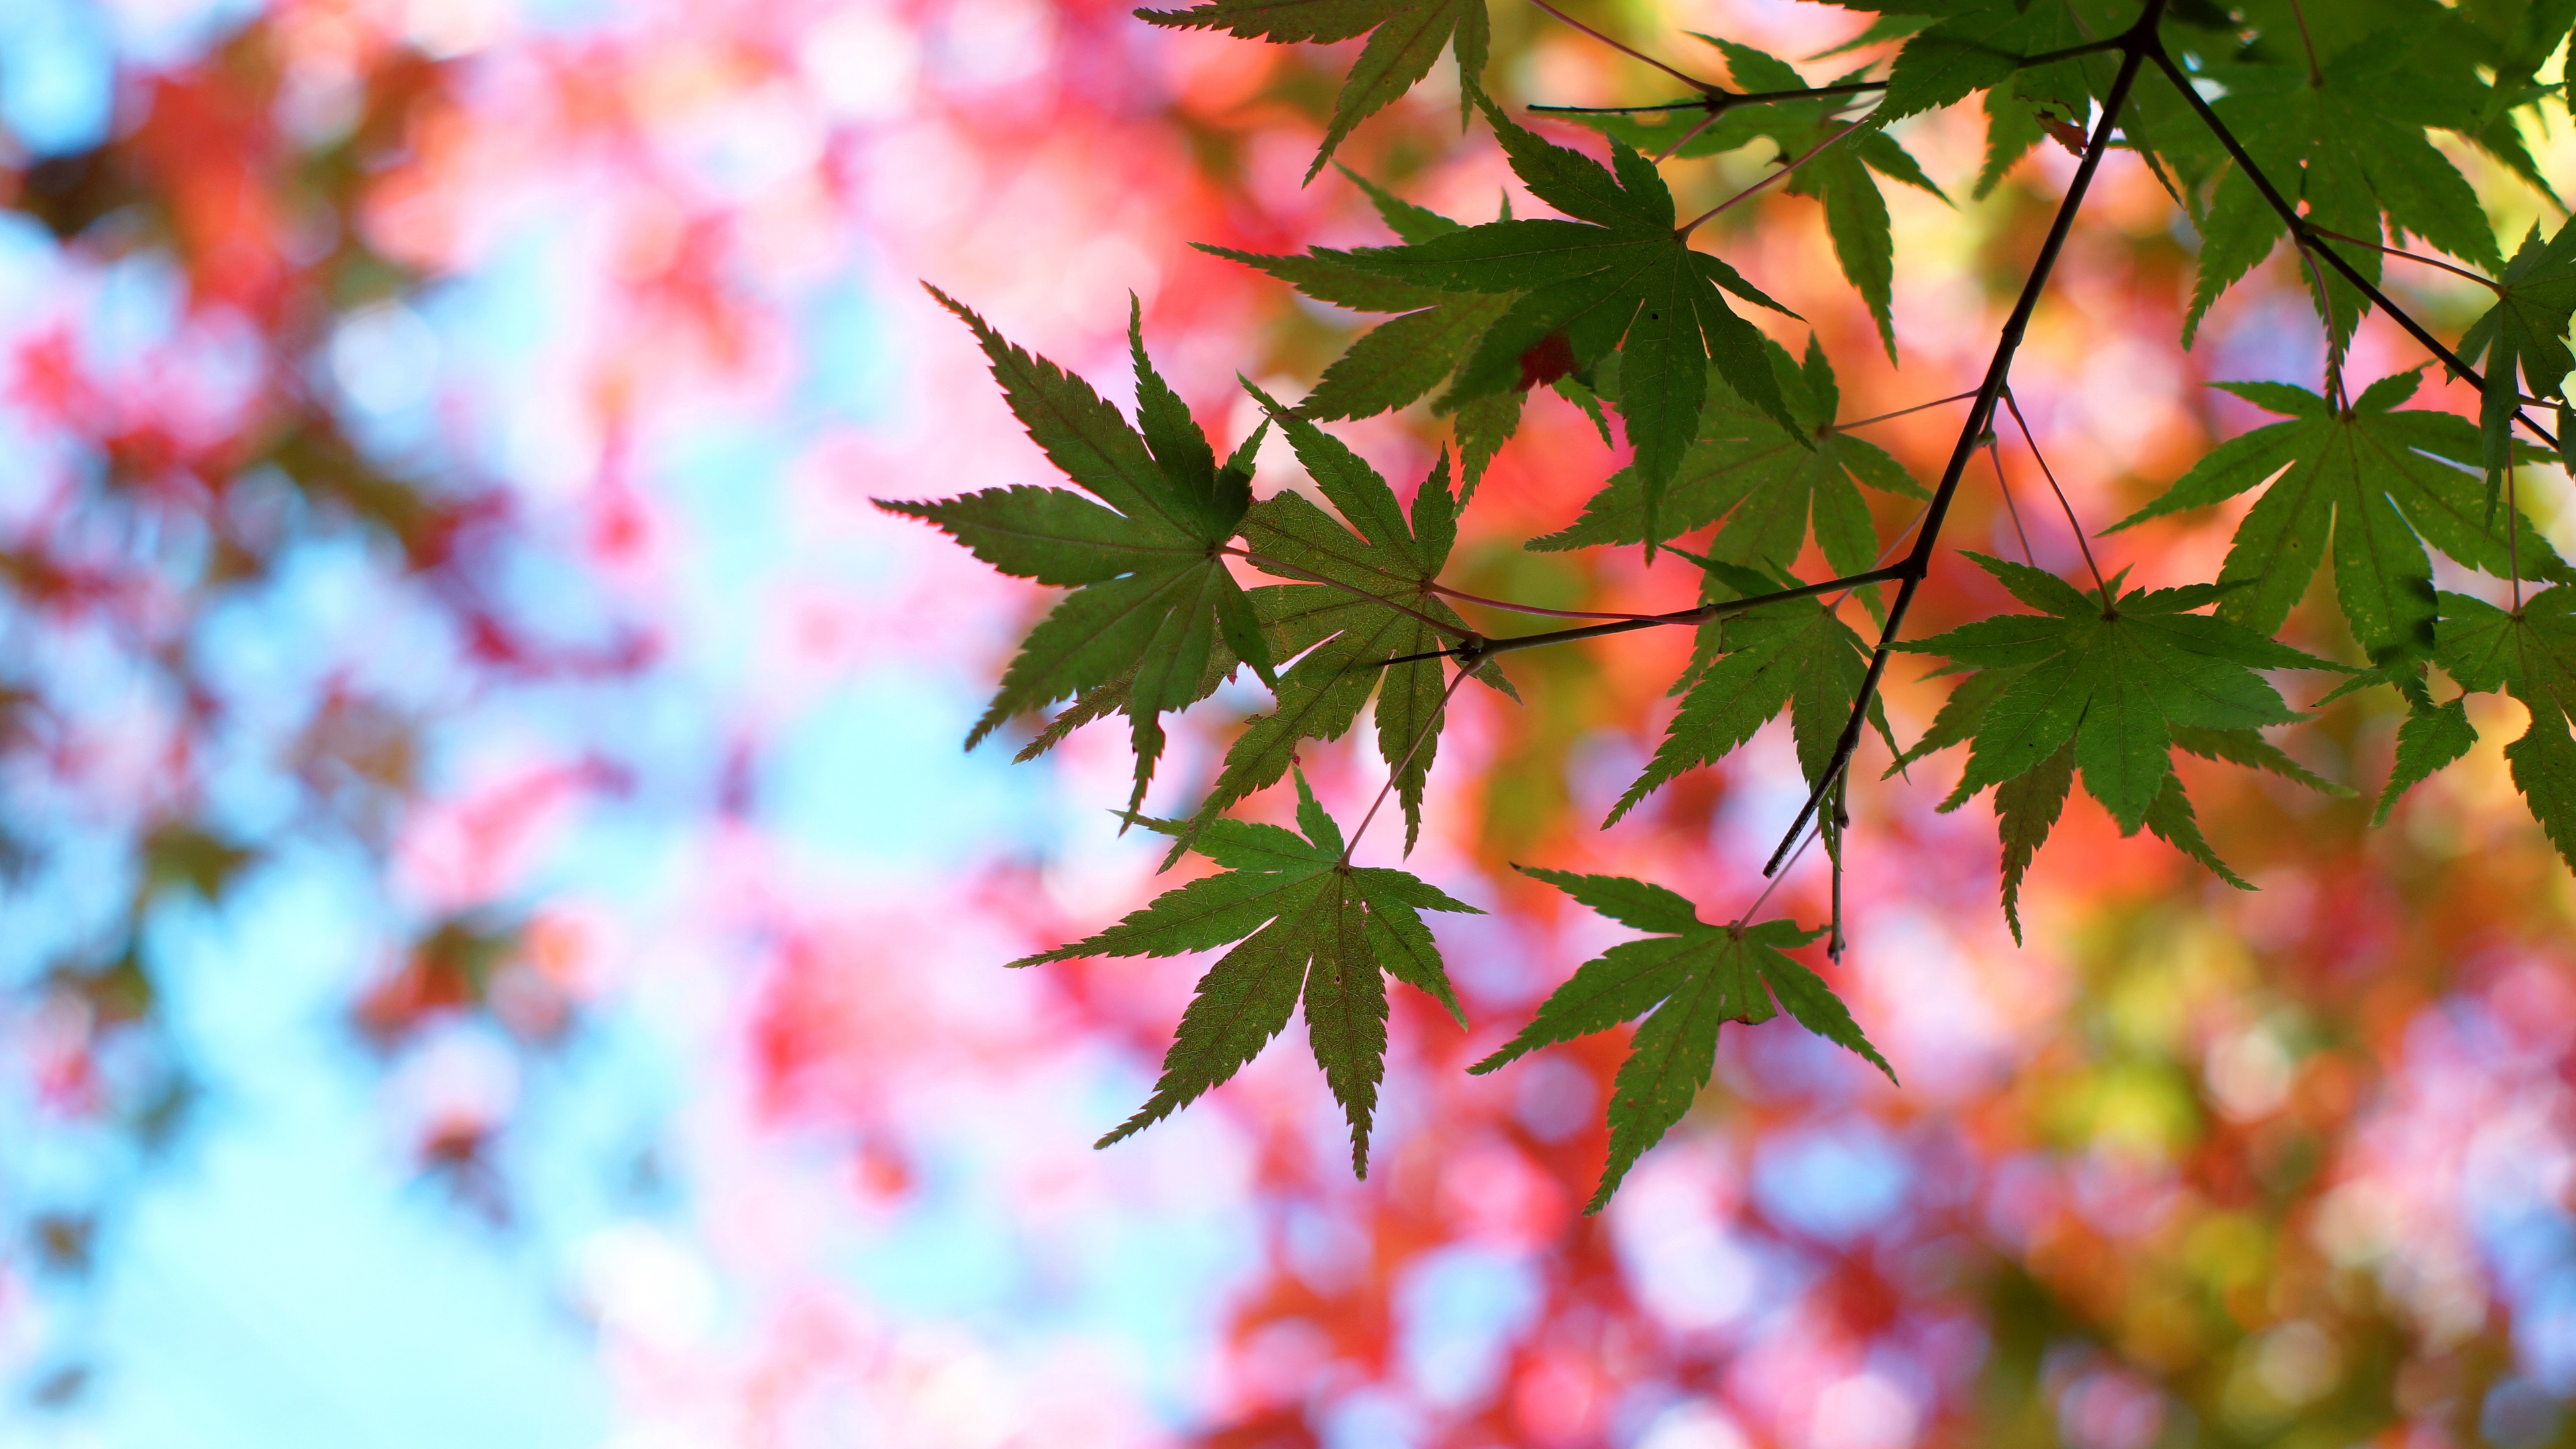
[1404,358]
[1405,37]
[2027,804]
[2119,684]
[1764,480]
[1983,45]
[2524,338]
[1841,176]
[1796,655]
[1152,601]
[2530,655]
[2352,148]
[1314,930]
[1685,979]
[1376,606]
[2431,737]
[1621,276]
[2372,480]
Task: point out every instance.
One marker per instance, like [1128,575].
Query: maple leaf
[1404,358]
[2371,481]
[1314,930]
[1796,655]
[2531,655]
[2115,687]
[1685,979]
[1764,480]
[1373,604]
[2027,804]
[1404,38]
[1152,601]
[1621,276]
[1840,174]
[2524,337]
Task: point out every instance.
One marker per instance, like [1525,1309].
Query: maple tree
[2318,134]
[2198,1163]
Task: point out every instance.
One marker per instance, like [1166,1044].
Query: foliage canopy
[2323,126]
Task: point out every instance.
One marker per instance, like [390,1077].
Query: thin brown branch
[2306,236]
[2136,44]
[1481,648]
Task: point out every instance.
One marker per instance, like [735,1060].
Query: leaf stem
[1429,726]
[1464,597]
[1901,412]
[2335,394]
[2306,236]
[1688,136]
[2485,282]
[1779,875]
[1723,608]
[2136,45]
[2033,444]
[2003,485]
[2316,72]
[1289,570]
[1705,87]
[1812,152]
[2512,536]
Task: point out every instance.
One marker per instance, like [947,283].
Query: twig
[1718,100]
[1694,103]
[2042,458]
[2306,236]
[2136,44]
[1424,733]
[1480,648]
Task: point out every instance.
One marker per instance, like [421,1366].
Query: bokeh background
[502,947]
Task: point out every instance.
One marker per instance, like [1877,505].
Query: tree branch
[2136,45]
[2307,238]
[1479,649]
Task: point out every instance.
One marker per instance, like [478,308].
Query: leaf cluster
[2264,120]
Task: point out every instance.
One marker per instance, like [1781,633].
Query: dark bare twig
[2306,236]
[1481,648]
